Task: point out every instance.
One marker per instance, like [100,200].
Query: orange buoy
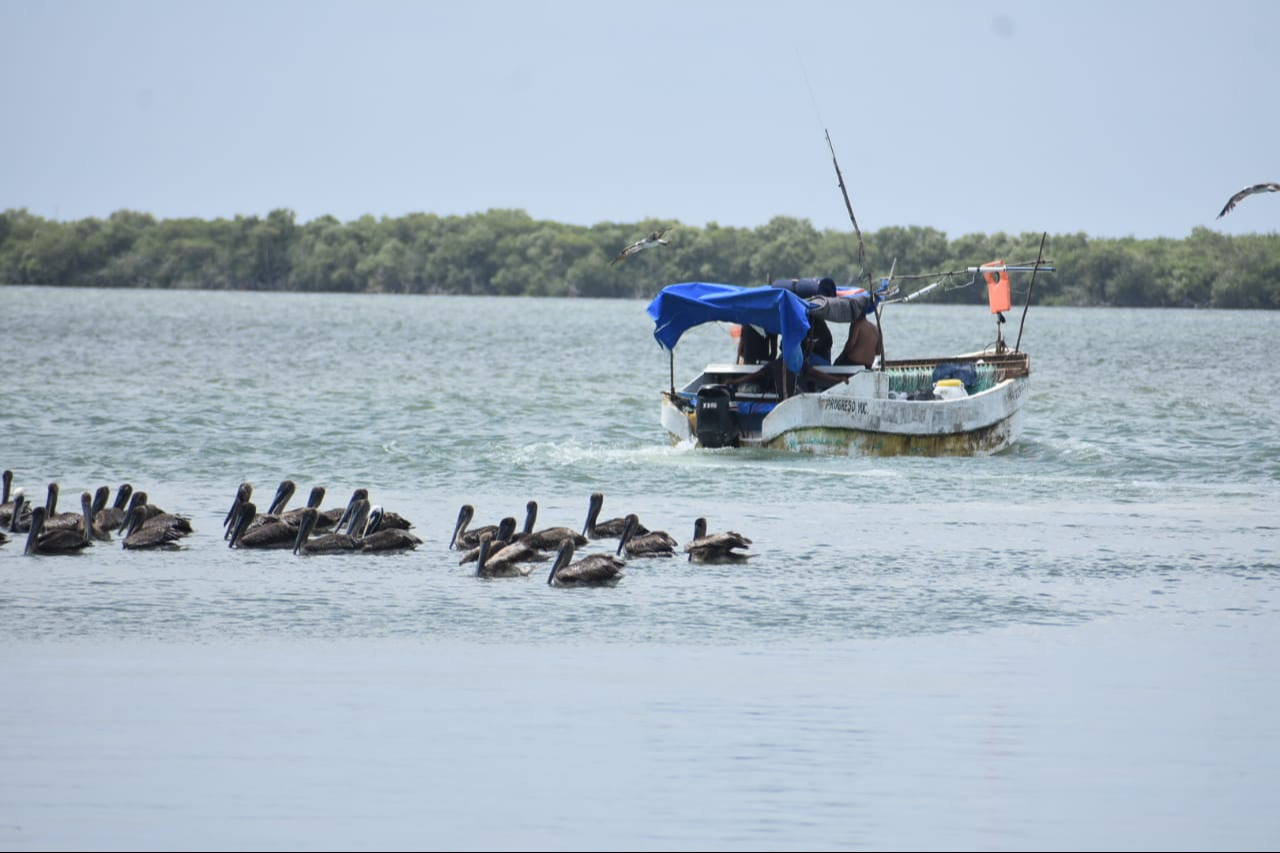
[998,294]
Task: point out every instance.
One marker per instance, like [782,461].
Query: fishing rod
[862,252]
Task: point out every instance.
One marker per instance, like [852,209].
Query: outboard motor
[716,425]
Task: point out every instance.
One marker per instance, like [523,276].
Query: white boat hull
[859,417]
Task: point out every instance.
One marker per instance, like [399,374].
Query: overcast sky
[1110,118]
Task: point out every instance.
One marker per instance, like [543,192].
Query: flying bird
[654,239]
[1248,191]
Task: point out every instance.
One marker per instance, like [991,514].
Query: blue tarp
[680,307]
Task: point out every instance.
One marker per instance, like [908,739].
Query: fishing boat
[969,404]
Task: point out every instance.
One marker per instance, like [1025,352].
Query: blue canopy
[680,307]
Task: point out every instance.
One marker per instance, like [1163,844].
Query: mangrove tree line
[507,252]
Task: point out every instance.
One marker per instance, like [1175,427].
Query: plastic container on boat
[949,389]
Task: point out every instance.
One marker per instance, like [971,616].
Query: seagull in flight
[1248,191]
[654,239]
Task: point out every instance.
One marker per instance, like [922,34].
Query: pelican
[144,532]
[284,492]
[20,517]
[470,538]
[510,557]
[654,239]
[139,504]
[341,517]
[593,570]
[54,519]
[548,538]
[496,566]
[64,540]
[14,511]
[245,514]
[294,516]
[610,529]
[148,526]
[377,539]
[6,505]
[87,524]
[498,541]
[249,533]
[1248,191]
[98,505]
[328,543]
[243,493]
[656,543]
[112,517]
[716,547]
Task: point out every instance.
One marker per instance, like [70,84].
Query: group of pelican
[357,526]
[498,550]
[140,523]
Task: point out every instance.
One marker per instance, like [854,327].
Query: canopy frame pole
[1027,304]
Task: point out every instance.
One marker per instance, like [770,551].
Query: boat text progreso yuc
[961,405]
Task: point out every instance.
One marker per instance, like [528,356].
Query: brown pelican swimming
[148,526]
[11,501]
[716,547]
[654,239]
[97,505]
[504,564]
[294,516]
[495,543]
[548,538]
[656,543]
[139,504]
[245,514]
[243,494]
[20,515]
[144,530]
[464,538]
[326,543]
[379,539]
[610,529]
[1246,192]
[593,570]
[337,518]
[89,506]
[112,517]
[63,540]
[54,519]
[284,492]
[6,505]
[247,533]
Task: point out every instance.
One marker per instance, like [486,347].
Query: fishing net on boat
[917,379]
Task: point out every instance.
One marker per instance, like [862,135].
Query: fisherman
[773,375]
[863,345]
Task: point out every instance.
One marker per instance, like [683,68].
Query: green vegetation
[507,252]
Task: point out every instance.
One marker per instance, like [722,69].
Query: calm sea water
[1068,646]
